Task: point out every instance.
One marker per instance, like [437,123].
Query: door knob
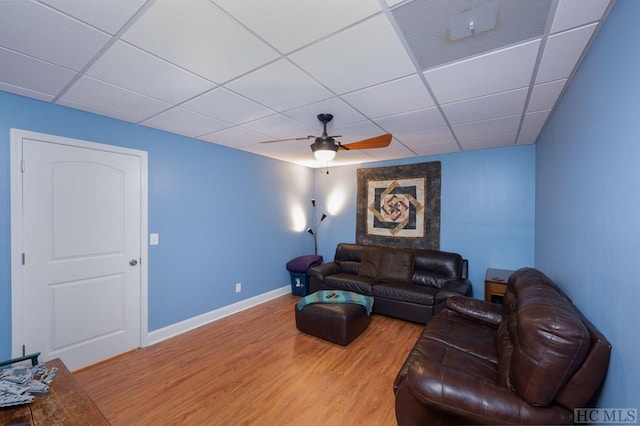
[133,262]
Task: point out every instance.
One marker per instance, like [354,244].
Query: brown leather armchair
[532,360]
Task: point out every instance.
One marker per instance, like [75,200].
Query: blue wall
[588,201]
[223,216]
[487,207]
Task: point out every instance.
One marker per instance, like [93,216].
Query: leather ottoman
[339,323]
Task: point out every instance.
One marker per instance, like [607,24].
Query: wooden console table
[495,284]
[66,403]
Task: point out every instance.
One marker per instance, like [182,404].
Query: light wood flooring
[255,368]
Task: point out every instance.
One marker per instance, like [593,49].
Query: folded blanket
[337,296]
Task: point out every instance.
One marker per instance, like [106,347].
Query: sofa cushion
[349,282]
[405,292]
[369,264]
[348,266]
[552,341]
[439,354]
[395,265]
[350,252]
[462,333]
[434,268]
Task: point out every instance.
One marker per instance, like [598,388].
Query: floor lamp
[314,230]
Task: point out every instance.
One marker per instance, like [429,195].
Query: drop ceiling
[441,76]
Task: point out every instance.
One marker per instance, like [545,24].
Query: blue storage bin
[299,284]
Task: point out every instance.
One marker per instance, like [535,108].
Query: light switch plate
[153,239]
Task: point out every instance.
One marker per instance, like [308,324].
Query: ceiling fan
[325,147]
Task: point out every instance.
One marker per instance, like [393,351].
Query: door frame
[17,232]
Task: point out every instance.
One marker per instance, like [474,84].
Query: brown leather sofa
[410,284]
[530,361]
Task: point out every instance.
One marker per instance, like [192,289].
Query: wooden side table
[65,404]
[495,284]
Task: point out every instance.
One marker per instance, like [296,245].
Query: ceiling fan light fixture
[324,155]
[324,149]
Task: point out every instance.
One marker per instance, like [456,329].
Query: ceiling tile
[440,135]
[280,86]
[486,107]
[436,148]
[562,52]
[108,15]
[402,95]
[31,77]
[545,95]
[114,101]
[119,115]
[283,148]
[36,30]
[285,151]
[424,119]
[196,34]
[489,141]
[303,22]
[495,72]
[364,55]
[235,137]
[535,120]
[184,122]
[394,151]
[343,114]
[573,13]
[490,128]
[279,127]
[228,106]
[151,75]
[528,137]
[22,91]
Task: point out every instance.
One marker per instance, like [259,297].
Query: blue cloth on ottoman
[336,296]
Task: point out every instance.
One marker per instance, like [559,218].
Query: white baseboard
[200,320]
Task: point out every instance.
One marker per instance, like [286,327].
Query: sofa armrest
[317,274]
[452,288]
[476,309]
[456,392]
[322,271]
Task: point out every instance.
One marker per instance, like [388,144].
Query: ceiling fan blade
[376,142]
[304,138]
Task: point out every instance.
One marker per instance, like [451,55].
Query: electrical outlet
[238,287]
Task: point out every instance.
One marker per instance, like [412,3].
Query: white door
[81,239]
